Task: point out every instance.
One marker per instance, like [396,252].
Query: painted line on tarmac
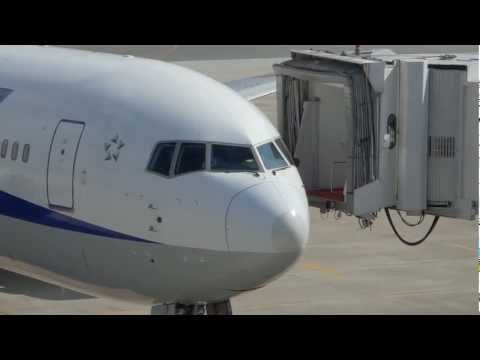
[317,267]
[469,249]
[443,291]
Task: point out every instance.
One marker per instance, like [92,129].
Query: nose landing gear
[221,308]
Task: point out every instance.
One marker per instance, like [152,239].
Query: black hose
[420,220]
[434,223]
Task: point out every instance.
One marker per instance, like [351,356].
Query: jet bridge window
[233,159]
[191,158]
[272,159]
[162,159]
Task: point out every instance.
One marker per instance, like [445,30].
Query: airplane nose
[266,233]
[289,233]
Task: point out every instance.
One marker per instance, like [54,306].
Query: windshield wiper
[274,172]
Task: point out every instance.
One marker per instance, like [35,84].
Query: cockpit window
[283,148]
[191,158]
[162,159]
[272,159]
[233,158]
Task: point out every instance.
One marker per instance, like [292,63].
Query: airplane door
[61,163]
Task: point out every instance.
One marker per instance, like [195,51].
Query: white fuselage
[83,211]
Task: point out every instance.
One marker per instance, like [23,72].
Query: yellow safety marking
[324,269]
[422,292]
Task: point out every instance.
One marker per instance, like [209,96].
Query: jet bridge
[374,129]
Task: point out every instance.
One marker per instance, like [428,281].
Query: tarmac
[344,270]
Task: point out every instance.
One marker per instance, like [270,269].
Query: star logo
[113,147]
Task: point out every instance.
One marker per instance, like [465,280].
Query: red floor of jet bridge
[330,194]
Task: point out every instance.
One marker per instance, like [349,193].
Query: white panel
[445,126]
[388,157]
[470,160]
[332,136]
[368,199]
[61,164]
[321,145]
[469,192]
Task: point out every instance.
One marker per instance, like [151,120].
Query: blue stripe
[17,208]
[4,93]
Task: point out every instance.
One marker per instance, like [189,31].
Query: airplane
[143,181]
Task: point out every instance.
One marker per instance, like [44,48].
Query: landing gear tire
[222,308]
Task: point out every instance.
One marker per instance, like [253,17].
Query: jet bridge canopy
[381,130]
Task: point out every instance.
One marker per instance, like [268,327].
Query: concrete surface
[344,270]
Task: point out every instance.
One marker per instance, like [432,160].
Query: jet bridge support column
[413,128]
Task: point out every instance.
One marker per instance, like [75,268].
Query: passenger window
[4,150]
[191,158]
[15,151]
[162,159]
[26,153]
[271,157]
[283,148]
[233,158]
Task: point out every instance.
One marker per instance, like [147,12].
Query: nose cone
[266,231]
[289,233]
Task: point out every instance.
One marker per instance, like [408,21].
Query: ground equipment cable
[432,227]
